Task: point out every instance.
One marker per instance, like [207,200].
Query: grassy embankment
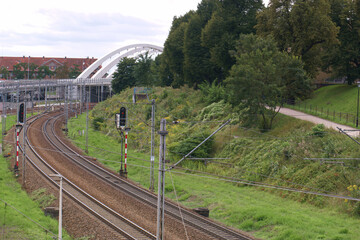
[275,157]
[337,103]
[13,224]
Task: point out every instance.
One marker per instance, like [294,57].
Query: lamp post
[60,204]
[357,108]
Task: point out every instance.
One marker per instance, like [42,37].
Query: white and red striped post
[16,167]
[125,159]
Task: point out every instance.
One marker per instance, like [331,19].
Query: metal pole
[102,92]
[5,112]
[152,153]
[66,108]
[161,182]
[357,109]
[24,149]
[87,124]
[3,119]
[60,209]
[39,92]
[24,141]
[45,95]
[32,101]
[60,203]
[70,98]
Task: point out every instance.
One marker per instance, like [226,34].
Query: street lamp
[60,204]
[357,108]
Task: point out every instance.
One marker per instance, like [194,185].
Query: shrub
[318,130]
[97,123]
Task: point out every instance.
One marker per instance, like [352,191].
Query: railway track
[210,228]
[124,227]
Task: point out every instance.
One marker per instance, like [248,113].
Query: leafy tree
[231,18]
[43,71]
[303,28]
[74,71]
[344,59]
[123,77]
[196,57]
[263,78]
[4,72]
[62,72]
[19,70]
[173,56]
[142,70]
[213,92]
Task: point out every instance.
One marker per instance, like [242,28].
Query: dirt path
[317,120]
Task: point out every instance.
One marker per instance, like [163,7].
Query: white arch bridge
[106,66]
[95,80]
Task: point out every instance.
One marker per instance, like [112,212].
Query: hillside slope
[244,156]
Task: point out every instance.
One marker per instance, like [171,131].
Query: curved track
[124,227]
[202,224]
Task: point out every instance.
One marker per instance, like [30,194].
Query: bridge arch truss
[105,66]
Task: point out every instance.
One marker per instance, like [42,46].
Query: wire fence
[324,112]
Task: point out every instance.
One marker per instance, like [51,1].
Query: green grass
[328,102]
[13,223]
[262,213]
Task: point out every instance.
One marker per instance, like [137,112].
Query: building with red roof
[53,63]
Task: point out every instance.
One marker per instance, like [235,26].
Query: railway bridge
[95,80]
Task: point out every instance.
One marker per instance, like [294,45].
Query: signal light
[21,113]
[122,117]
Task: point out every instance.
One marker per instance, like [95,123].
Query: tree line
[33,71]
[253,56]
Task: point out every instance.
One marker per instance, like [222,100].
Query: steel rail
[46,169]
[201,223]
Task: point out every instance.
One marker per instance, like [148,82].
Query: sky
[83,28]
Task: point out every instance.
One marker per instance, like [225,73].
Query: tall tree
[197,65]
[5,74]
[231,18]
[263,78]
[43,72]
[302,27]
[74,71]
[173,56]
[142,70]
[343,60]
[123,77]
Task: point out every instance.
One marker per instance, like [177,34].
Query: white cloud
[81,28]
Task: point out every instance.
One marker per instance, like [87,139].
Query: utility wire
[274,187]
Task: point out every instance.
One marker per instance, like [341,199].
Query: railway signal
[21,113]
[20,119]
[120,122]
